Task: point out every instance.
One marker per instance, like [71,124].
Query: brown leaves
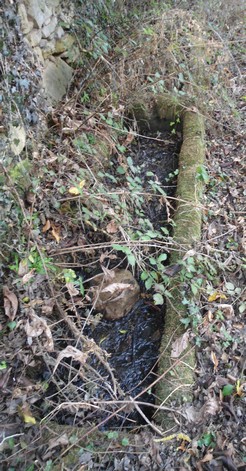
[55,230]
[71,352]
[10,303]
[211,407]
[37,326]
[129,138]
[216,295]
[180,345]
[76,190]
[214,360]
[112,227]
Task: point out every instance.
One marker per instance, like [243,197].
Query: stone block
[56,78]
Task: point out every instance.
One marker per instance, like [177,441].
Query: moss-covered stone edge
[176,374]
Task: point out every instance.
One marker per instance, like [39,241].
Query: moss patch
[177,373]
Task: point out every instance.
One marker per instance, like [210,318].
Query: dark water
[157,154]
[133,341]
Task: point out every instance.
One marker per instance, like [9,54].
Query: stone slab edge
[176,374]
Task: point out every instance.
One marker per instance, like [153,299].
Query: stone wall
[44,24]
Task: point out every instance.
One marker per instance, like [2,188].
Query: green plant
[120,195]
[202,174]
[70,277]
[228,390]
[157,83]
[174,124]
[36,261]
[208,439]
[172,175]
[228,338]
[82,143]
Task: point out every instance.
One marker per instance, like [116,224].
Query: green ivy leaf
[230,286]
[149,283]
[11,325]
[144,275]
[162,257]
[112,435]
[152,261]
[121,170]
[228,390]
[242,308]
[3,365]
[158,299]
[131,260]
[125,441]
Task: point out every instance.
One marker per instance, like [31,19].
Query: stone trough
[41,30]
[175,371]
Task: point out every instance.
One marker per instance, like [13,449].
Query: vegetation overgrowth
[68,209]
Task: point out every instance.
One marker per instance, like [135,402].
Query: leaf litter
[216,419]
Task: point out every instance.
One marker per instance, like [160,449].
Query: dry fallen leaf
[47,306]
[36,326]
[71,352]
[28,276]
[47,226]
[227,310]
[76,190]
[71,289]
[107,254]
[180,345]
[208,457]
[23,267]
[10,303]
[112,227]
[211,407]
[214,360]
[130,137]
[60,440]
[216,295]
[56,234]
